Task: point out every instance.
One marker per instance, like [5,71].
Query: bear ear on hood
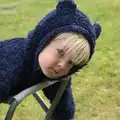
[66,7]
[97,29]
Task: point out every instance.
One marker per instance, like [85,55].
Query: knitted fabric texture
[11,61]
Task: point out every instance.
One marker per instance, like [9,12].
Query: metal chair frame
[14,101]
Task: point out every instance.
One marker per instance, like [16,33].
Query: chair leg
[11,110]
[41,101]
[56,100]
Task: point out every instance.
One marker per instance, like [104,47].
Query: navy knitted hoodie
[18,56]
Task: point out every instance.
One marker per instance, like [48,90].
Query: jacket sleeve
[4,87]
[66,108]
[11,54]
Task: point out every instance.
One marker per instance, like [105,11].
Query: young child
[62,43]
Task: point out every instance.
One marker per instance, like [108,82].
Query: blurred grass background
[96,88]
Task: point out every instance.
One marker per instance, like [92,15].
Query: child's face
[53,60]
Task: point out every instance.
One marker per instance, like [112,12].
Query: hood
[65,18]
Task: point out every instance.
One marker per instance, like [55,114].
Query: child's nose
[62,65]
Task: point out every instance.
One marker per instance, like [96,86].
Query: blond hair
[77,46]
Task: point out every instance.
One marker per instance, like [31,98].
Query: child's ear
[97,29]
[65,7]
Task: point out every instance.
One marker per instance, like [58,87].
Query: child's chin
[53,77]
[49,76]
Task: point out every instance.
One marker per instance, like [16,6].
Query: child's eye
[70,62]
[60,52]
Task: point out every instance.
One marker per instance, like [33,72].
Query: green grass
[96,88]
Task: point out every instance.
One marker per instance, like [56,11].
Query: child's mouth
[54,70]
